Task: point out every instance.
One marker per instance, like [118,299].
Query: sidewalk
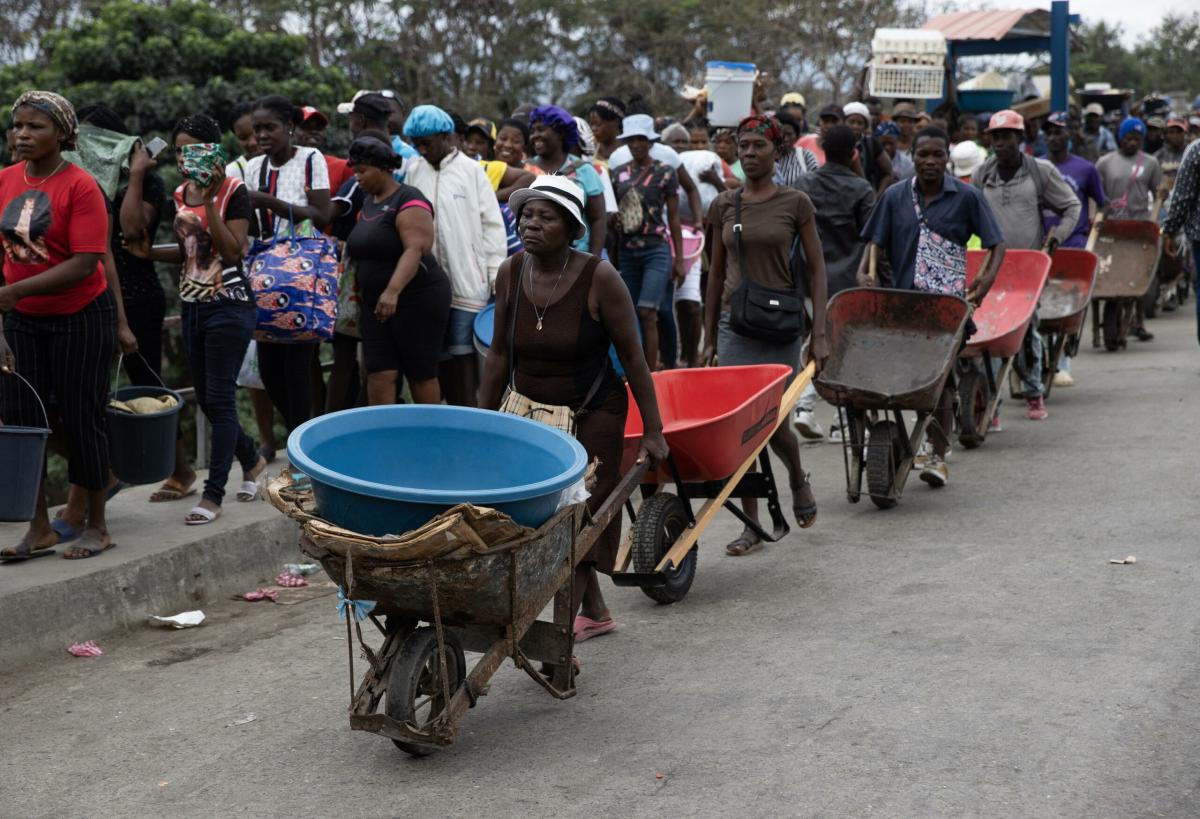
[159,566]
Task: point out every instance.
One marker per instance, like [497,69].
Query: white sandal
[206,516]
[248,491]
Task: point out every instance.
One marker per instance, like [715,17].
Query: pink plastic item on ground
[261,594]
[290,581]
[88,649]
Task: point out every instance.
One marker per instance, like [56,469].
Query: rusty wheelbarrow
[487,603]
[890,350]
[1128,251]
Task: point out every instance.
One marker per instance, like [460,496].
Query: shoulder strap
[519,260]
[1039,180]
[308,170]
[588,272]
[264,214]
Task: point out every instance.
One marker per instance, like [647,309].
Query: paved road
[971,652]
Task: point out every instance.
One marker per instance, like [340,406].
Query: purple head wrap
[558,119]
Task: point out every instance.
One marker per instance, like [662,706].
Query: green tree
[1098,56]
[154,64]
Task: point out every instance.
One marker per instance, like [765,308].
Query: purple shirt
[1083,178]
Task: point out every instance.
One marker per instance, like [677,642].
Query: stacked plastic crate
[907,63]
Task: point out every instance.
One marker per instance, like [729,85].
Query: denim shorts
[460,333]
[646,272]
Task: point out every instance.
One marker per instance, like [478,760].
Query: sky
[1136,18]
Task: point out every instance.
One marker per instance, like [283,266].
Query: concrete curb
[71,601]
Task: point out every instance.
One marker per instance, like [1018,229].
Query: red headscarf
[760,124]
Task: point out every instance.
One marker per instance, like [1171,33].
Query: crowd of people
[605,229]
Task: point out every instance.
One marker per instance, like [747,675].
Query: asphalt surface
[972,652]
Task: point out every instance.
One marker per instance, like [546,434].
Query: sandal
[586,628]
[744,544]
[65,531]
[24,551]
[199,516]
[806,513]
[173,490]
[247,492]
[89,547]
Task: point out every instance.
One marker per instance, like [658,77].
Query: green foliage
[155,64]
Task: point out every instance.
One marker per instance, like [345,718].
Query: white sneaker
[923,455]
[807,425]
[1063,379]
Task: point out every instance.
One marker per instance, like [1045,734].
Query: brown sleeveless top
[559,363]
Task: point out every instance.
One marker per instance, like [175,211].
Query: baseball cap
[904,110]
[308,113]
[1060,119]
[832,111]
[1007,120]
[1093,108]
[346,107]
[793,98]
[1156,122]
[483,126]
[1177,122]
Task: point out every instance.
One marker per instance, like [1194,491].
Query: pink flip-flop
[586,628]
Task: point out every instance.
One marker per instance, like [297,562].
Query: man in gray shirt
[1018,187]
[1131,177]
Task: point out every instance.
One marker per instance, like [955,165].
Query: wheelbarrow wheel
[1112,325]
[972,408]
[883,459]
[661,521]
[415,694]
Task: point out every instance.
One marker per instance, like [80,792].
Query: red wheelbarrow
[1062,309]
[890,350]
[1000,321]
[717,422]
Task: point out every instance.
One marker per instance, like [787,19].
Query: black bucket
[142,447]
[23,454]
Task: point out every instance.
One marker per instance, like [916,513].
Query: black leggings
[286,371]
[69,358]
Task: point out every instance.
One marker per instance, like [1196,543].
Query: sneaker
[994,425]
[807,425]
[835,434]
[1143,334]
[935,472]
[1035,409]
[1063,379]
[924,454]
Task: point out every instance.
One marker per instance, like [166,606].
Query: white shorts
[690,289]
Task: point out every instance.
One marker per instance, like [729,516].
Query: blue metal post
[1060,53]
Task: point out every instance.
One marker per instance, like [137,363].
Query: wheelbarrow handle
[611,507]
[872,262]
[1095,232]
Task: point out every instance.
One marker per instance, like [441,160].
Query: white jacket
[471,241]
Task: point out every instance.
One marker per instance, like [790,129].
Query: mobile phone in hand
[156,146]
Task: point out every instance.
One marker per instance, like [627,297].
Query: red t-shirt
[339,172]
[43,225]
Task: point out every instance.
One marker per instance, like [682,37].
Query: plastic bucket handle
[117,374]
[45,415]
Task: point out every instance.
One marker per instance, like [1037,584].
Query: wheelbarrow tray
[890,349]
[1064,302]
[1128,252]
[480,589]
[714,418]
[1001,321]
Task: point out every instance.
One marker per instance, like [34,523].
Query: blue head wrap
[427,120]
[887,129]
[1131,125]
[558,119]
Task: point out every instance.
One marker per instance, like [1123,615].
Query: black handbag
[759,312]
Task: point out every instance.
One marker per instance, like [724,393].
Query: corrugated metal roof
[992,25]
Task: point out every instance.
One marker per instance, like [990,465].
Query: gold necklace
[550,298]
[43,179]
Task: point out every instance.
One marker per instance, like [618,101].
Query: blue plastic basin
[388,470]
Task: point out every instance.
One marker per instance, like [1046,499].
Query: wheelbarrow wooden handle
[609,509]
[872,262]
[1095,232]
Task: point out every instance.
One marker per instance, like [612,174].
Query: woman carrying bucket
[558,310]
[58,315]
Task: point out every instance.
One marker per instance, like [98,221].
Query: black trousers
[69,358]
[145,319]
[286,371]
